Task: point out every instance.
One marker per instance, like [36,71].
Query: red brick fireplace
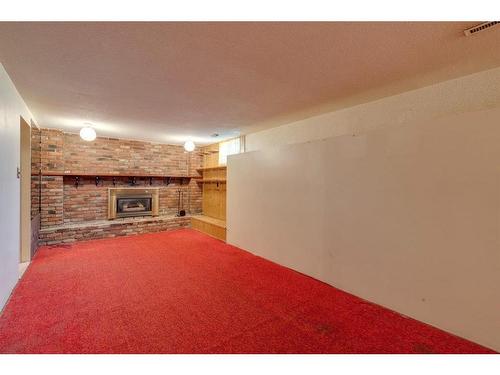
[77,177]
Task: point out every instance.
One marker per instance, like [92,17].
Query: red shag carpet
[185,292]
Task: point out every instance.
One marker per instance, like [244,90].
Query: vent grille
[481,27]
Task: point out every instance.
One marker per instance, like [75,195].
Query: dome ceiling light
[189,146]
[87,133]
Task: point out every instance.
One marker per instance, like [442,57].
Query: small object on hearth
[96,180]
[77,181]
[180,212]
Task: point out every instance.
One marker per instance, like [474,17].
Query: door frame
[24,175]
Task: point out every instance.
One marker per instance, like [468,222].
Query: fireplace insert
[127,202]
[133,206]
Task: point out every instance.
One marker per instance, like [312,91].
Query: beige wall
[12,107]
[405,214]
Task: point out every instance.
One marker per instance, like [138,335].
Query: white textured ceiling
[167,82]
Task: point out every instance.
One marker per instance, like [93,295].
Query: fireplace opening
[136,206]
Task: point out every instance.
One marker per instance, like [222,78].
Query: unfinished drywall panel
[406,215]
[12,108]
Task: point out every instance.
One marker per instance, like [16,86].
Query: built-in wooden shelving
[209,152]
[213,180]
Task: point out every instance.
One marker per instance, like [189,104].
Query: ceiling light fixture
[87,133]
[189,146]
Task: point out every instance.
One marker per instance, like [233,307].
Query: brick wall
[51,150]
[88,202]
[52,201]
[63,202]
[110,155]
[65,152]
[35,168]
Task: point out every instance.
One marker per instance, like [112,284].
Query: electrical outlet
[18,172]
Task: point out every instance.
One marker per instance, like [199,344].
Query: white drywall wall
[405,214]
[12,107]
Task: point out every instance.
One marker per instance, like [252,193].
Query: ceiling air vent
[481,27]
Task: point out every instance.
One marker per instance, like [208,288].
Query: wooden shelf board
[129,174]
[210,220]
[211,168]
[208,180]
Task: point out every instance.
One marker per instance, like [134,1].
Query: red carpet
[184,292]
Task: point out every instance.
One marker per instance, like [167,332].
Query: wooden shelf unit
[213,220]
[214,192]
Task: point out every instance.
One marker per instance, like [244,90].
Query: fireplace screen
[133,206]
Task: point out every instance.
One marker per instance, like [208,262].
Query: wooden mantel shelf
[200,170]
[128,174]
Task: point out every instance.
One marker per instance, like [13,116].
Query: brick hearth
[67,233]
